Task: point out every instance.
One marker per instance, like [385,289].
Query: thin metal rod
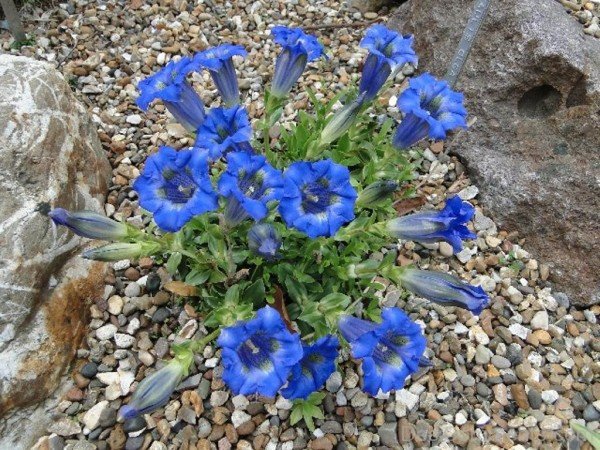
[466,42]
[13,19]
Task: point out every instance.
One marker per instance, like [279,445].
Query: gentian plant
[277,237]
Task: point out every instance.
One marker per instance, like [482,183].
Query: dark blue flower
[317,364]
[390,350]
[219,62]
[264,240]
[388,52]
[224,130]
[298,49]
[180,98]
[258,355]
[431,109]
[90,224]
[317,197]
[175,187]
[434,226]
[249,183]
[444,289]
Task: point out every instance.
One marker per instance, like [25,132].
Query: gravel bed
[510,378]
[587,12]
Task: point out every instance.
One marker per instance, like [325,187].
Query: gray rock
[533,83]
[388,435]
[591,414]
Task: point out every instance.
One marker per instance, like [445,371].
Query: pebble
[540,321]
[91,419]
[124,340]
[106,332]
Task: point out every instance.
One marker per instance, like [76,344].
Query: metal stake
[14,22]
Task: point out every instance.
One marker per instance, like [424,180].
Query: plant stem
[201,343]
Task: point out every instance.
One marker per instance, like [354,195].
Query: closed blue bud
[431,109]
[298,49]
[341,121]
[180,98]
[90,224]
[219,62]
[264,240]
[313,370]
[377,192]
[259,354]
[444,289]
[390,350]
[446,225]
[223,131]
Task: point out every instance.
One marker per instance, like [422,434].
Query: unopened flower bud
[376,192]
[90,224]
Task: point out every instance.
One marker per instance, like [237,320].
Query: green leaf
[296,414]
[173,262]
[232,296]
[255,293]
[197,277]
[593,437]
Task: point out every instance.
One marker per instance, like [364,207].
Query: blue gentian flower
[258,355]
[224,130]
[298,49]
[390,350]
[444,289]
[90,224]
[264,240]
[317,197]
[175,187]
[434,226]
[311,373]
[431,109]
[388,52]
[180,98]
[219,62]
[249,183]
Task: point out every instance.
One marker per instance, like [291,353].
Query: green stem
[199,344]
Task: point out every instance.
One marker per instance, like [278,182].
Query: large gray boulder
[50,156]
[532,81]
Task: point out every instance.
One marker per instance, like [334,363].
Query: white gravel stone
[124,340]
[550,396]
[519,330]
[407,398]
[539,321]
[91,419]
[283,403]
[134,119]
[108,378]
[240,402]
[239,417]
[552,423]
[115,305]
[106,332]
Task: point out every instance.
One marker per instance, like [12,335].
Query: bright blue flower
[175,187]
[298,49]
[180,98]
[317,197]
[431,109]
[249,182]
[444,289]
[258,355]
[90,224]
[264,240]
[224,130]
[390,350]
[311,373]
[434,226]
[388,52]
[219,62]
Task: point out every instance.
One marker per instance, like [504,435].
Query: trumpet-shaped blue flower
[434,226]
[432,109]
[264,240]
[258,355]
[219,62]
[390,350]
[175,187]
[298,49]
[311,373]
[444,289]
[90,224]
[224,130]
[249,183]
[317,197]
[388,52]
[180,98]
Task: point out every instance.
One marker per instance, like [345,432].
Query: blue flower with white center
[388,52]
[435,226]
[219,62]
[224,130]
[175,187]
[264,240]
[90,224]
[298,49]
[444,289]
[431,109]
[390,350]
[180,98]
[317,197]
[249,183]
[313,370]
[258,355]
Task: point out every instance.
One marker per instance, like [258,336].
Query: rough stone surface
[50,156]
[374,5]
[532,81]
